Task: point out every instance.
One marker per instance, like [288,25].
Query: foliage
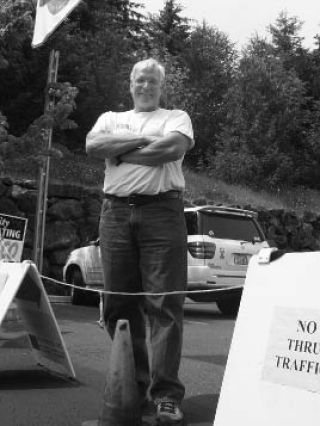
[255,115]
[284,32]
[264,142]
[95,47]
[168,29]
[210,57]
[287,45]
[32,144]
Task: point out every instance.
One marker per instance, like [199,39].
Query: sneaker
[169,412]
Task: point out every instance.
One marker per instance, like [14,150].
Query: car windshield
[223,225]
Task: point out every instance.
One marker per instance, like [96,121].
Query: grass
[299,199]
[78,169]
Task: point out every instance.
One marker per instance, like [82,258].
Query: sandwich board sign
[272,375]
[12,235]
[21,281]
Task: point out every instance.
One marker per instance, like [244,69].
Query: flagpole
[44,168]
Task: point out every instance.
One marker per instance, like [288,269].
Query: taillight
[202,249]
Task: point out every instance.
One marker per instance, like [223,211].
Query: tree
[168,30]
[284,34]
[314,82]
[96,44]
[210,57]
[287,45]
[29,146]
[263,141]
[18,66]
[97,59]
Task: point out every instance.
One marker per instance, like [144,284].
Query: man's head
[146,82]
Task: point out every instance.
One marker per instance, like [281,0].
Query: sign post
[44,168]
[49,15]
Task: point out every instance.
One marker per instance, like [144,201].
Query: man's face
[146,89]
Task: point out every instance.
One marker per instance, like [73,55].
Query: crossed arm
[136,149]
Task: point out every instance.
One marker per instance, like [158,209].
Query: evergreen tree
[287,45]
[210,57]
[263,141]
[285,34]
[96,43]
[168,30]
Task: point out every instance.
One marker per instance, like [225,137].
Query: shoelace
[168,407]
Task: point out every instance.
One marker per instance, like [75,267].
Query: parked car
[221,241]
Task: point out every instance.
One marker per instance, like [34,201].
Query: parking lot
[31,397]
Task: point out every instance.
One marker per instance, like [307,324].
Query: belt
[140,199]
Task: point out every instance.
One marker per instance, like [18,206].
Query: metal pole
[44,168]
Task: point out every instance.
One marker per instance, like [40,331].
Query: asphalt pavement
[29,396]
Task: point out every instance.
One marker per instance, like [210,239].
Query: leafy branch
[31,143]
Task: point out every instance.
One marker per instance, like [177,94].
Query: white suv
[221,241]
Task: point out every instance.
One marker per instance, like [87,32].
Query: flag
[50,14]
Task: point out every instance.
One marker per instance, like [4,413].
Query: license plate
[241,259]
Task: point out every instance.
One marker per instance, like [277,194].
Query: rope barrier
[101,322]
[122,293]
[141,293]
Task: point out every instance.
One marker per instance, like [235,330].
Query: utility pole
[44,168]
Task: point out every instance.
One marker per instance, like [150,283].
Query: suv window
[222,225]
[191,222]
[229,226]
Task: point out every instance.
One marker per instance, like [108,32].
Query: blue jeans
[144,248]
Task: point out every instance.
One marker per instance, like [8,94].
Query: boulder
[66,210]
[3,189]
[59,257]
[8,206]
[65,191]
[60,235]
[26,199]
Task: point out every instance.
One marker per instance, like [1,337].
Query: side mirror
[256,240]
[94,242]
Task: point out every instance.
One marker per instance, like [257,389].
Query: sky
[241,19]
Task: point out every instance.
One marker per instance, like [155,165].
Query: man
[142,230]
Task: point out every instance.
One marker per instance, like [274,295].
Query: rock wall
[73,215]
[71,220]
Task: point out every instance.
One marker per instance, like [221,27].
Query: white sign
[50,14]
[273,370]
[22,282]
[12,235]
[293,353]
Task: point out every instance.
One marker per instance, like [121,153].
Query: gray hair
[148,64]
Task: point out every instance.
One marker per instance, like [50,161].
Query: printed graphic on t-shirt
[124,127]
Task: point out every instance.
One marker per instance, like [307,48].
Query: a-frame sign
[273,368]
[21,282]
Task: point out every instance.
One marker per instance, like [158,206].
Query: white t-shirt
[127,178]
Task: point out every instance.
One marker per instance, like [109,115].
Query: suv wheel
[78,297]
[230,305]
